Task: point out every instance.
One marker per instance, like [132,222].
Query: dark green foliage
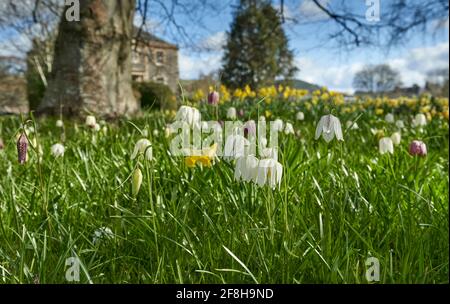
[155,95]
[35,88]
[257,50]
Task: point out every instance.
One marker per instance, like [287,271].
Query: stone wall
[13,95]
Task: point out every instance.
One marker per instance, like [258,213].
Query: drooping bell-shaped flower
[386,145]
[250,128]
[300,116]
[143,146]
[329,126]
[289,129]
[90,121]
[57,150]
[213,98]
[246,168]
[418,148]
[400,124]
[59,123]
[231,113]
[277,125]
[22,148]
[269,172]
[419,120]
[389,118]
[189,115]
[396,138]
[235,146]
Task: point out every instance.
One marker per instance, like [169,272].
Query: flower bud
[22,147]
[137,181]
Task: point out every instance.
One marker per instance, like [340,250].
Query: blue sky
[318,59]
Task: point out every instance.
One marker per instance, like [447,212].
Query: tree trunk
[92,62]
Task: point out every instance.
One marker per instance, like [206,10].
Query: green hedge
[155,95]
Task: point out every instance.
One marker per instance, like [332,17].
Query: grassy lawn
[339,203]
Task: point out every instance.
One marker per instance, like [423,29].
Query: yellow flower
[204,159]
[268,113]
[379,111]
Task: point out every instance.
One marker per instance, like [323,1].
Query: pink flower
[213,98]
[417,147]
[22,146]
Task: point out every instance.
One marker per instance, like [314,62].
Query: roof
[152,39]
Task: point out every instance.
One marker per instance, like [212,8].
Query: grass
[339,204]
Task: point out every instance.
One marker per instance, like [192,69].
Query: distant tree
[437,82]
[376,79]
[256,52]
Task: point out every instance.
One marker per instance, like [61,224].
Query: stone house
[155,60]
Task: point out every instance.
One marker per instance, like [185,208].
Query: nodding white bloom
[396,138]
[246,168]
[400,124]
[352,125]
[231,113]
[59,123]
[101,234]
[57,150]
[262,118]
[189,115]
[155,132]
[300,116]
[97,127]
[277,125]
[235,146]
[143,146]
[269,172]
[136,181]
[105,130]
[269,153]
[262,142]
[419,120]
[250,128]
[328,126]
[289,129]
[145,133]
[386,145]
[389,118]
[91,122]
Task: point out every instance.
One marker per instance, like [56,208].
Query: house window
[159,57]
[160,79]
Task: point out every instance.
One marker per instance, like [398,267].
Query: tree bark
[92,62]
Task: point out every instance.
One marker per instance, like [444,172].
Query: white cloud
[191,66]
[215,42]
[413,68]
[309,10]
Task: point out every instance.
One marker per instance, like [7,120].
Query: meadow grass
[338,204]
